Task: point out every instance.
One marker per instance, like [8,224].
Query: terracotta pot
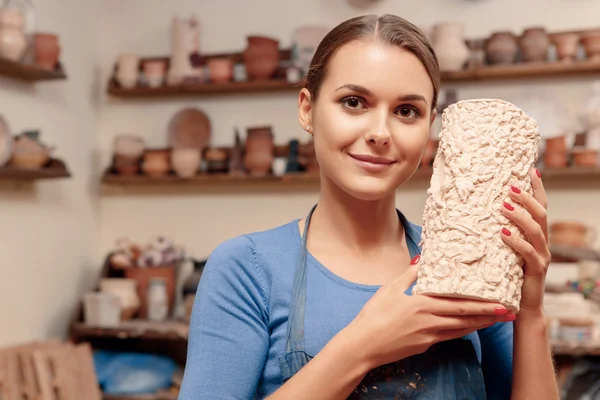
[501,48]
[47,50]
[261,57]
[221,69]
[450,47]
[156,162]
[573,234]
[143,276]
[566,45]
[126,165]
[591,43]
[258,157]
[585,158]
[555,154]
[534,44]
[13,41]
[185,161]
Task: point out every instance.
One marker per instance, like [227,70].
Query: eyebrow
[367,92]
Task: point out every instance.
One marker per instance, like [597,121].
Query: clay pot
[258,157]
[591,43]
[47,50]
[585,158]
[501,48]
[126,165]
[555,155]
[566,45]
[573,234]
[126,291]
[450,47]
[185,161]
[13,41]
[221,69]
[261,57]
[156,162]
[534,45]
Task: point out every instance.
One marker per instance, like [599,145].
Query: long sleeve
[229,335]
[497,360]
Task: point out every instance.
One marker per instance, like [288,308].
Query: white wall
[201,221]
[48,231]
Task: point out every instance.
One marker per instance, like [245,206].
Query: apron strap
[295,328]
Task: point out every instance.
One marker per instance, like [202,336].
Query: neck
[355,223]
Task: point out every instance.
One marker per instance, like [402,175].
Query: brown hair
[389,29]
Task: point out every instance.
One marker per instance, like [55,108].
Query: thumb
[409,276]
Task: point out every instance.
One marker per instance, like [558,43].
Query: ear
[434,114]
[305,110]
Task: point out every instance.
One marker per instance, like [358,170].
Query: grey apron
[448,370]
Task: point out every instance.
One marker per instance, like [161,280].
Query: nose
[378,136]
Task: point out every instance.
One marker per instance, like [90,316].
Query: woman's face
[372,118]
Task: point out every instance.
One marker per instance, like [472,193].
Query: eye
[408,111]
[352,102]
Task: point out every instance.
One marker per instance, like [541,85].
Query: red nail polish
[510,317]
[500,311]
[515,189]
[539,174]
[415,260]
[506,232]
[509,206]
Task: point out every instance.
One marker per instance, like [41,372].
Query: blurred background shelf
[29,73]
[158,396]
[134,329]
[54,170]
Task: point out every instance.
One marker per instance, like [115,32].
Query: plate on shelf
[189,128]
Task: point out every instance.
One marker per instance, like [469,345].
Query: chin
[368,188]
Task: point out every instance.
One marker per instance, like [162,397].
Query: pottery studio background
[93,92]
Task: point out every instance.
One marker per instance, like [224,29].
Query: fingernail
[506,232]
[539,174]
[509,206]
[515,189]
[500,311]
[510,317]
[415,260]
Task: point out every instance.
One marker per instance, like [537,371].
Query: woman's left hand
[534,224]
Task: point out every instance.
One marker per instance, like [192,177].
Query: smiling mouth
[372,163]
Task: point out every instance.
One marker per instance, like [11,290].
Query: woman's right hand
[393,326]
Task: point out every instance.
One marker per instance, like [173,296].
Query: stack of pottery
[534,44]
[258,157]
[13,41]
[501,48]
[261,57]
[47,50]
[449,45]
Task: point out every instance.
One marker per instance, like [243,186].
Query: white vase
[13,41]
[185,161]
[128,70]
[449,45]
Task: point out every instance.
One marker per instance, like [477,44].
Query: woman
[326,312]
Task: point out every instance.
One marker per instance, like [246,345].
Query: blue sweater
[238,325]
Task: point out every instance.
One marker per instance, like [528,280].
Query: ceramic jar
[566,45]
[220,69]
[126,291]
[501,48]
[47,50]
[156,162]
[534,44]
[591,43]
[450,47]
[154,72]
[261,57]
[127,70]
[555,154]
[185,161]
[13,41]
[258,157]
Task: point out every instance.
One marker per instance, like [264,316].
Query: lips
[372,163]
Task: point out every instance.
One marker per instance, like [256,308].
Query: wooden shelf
[54,170]
[563,348]
[524,70]
[134,329]
[29,72]
[571,175]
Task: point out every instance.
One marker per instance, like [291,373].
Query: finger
[446,306]
[408,277]
[528,225]
[534,265]
[454,323]
[536,204]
